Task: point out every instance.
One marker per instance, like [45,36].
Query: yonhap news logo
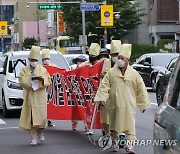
[122,143]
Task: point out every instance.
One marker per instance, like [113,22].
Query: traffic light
[49,6]
[3,28]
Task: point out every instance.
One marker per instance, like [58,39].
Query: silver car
[167,118]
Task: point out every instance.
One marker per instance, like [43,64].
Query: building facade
[163,16]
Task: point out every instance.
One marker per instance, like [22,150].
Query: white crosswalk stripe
[2,122]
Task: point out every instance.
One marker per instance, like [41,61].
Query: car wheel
[5,110]
[153,83]
[159,95]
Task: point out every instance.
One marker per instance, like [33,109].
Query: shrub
[140,49]
[161,44]
[29,42]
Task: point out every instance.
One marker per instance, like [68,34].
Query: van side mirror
[147,64]
[1,71]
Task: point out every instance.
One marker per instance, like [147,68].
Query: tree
[129,19]
[29,41]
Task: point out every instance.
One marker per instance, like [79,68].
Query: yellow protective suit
[122,94]
[34,109]
[103,113]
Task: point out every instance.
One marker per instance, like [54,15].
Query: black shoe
[50,124]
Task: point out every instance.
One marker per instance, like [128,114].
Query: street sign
[107,15]
[3,28]
[90,7]
[49,6]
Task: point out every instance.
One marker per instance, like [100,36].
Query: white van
[11,94]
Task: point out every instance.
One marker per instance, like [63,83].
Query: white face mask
[33,64]
[46,62]
[114,59]
[120,63]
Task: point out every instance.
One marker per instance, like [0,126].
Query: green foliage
[161,44]
[140,49]
[49,46]
[29,41]
[129,19]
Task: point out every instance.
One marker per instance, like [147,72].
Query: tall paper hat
[34,53]
[45,53]
[115,46]
[94,49]
[125,50]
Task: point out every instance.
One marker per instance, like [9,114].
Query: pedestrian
[77,61]
[114,51]
[94,50]
[46,62]
[34,80]
[121,89]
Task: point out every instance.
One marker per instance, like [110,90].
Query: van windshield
[68,43]
[17,62]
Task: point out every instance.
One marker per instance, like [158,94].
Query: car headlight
[13,85]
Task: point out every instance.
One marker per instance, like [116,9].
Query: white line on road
[153,103]
[2,122]
[9,128]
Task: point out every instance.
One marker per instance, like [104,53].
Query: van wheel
[5,110]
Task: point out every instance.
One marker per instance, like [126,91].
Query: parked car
[163,79]
[166,119]
[148,65]
[11,94]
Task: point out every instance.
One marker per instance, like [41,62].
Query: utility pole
[105,30]
[84,31]
[37,13]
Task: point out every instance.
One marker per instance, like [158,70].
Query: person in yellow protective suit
[121,89]
[46,62]
[114,51]
[94,50]
[34,80]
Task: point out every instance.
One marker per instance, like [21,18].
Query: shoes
[34,142]
[50,124]
[130,150]
[89,132]
[41,137]
[115,147]
[74,127]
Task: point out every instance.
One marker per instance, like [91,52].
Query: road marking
[9,128]
[2,122]
[153,103]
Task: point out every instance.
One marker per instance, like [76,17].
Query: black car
[148,65]
[163,79]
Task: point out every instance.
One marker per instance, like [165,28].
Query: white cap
[115,46]
[94,49]
[125,50]
[34,53]
[45,53]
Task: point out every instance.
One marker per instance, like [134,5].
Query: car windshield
[162,60]
[17,62]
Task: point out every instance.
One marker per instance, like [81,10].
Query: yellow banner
[60,22]
[107,15]
[3,28]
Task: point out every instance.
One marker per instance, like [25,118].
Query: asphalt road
[62,140]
